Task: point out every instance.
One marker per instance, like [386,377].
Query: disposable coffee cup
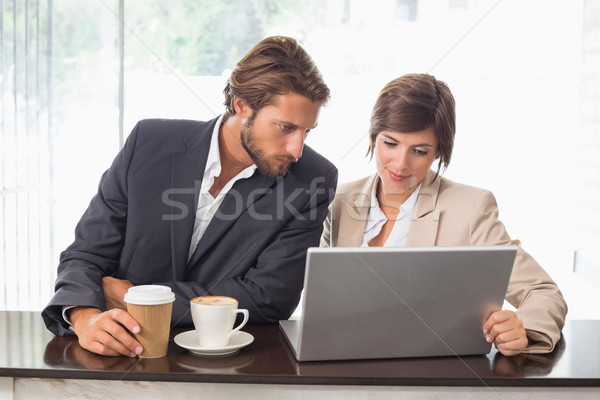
[214,317]
[151,307]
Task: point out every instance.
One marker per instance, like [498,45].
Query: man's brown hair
[275,66]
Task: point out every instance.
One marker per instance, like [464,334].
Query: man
[223,207]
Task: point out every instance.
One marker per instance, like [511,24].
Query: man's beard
[268,166]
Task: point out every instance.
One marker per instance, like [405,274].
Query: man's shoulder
[314,163]
[162,136]
[169,127]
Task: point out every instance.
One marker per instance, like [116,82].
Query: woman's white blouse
[376,219]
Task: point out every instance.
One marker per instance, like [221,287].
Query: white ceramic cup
[214,317]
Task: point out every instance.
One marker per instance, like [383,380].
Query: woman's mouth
[398,178]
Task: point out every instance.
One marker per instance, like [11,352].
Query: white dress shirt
[376,219]
[207,204]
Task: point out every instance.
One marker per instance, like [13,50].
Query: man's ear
[242,109]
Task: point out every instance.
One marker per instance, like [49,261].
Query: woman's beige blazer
[452,214]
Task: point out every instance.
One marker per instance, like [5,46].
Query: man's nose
[295,144]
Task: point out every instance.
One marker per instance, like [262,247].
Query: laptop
[384,302]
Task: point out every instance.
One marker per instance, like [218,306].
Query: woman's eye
[420,152]
[389,144]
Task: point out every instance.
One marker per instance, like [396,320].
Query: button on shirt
[376,219]
[207,204]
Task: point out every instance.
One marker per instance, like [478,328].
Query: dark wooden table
[27,349]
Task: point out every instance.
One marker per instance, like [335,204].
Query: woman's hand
[506,331]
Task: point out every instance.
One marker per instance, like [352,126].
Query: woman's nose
[400,160]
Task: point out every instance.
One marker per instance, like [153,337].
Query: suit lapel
[187,170]
[355,211]
[234,204]
[426,216]
[352,227]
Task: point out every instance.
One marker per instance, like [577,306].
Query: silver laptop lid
[400,302]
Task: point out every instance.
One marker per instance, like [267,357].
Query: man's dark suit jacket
[139,227]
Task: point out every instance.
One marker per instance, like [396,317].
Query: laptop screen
[384,302]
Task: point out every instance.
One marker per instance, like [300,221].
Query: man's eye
[286,128]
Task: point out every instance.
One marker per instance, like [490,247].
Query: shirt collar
[213,161]
[377,218]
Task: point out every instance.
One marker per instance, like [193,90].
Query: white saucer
[189,340]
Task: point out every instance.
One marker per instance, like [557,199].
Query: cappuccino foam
[214,300]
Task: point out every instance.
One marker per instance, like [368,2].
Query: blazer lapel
[187,170]
[426,216]
[355,211]
[235,203]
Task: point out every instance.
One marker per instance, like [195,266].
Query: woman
[406,203]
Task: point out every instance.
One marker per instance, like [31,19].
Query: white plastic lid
[149,295]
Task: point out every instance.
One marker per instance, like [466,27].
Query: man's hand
[105,333]
[92,361]
[506,331]
[114,291]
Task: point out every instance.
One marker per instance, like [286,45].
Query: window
[76,76]
[26,176]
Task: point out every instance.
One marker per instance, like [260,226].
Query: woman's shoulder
[447,183]
[355,186]
[450,190]
[355,191]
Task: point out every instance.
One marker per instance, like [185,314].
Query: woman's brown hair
[413,103]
